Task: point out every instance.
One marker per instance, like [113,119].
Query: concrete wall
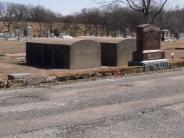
[85,54]
[125,51]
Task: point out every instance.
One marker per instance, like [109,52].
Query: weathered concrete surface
[133,106]
[85,54]
[125,51]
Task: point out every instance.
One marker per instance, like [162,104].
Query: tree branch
[161,8]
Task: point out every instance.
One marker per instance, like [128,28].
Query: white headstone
[166,35]
[48,34]
[29,32]
[52,35]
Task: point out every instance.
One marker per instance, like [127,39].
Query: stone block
[19,76]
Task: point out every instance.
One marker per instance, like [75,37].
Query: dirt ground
[12,59]
[170,47]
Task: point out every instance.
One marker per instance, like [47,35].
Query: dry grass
[11,47]
[170,47]
[173,44]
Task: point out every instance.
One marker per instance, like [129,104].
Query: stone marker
[20,34]
[128,33]
[172,36]
[7,36]
[166,35]
[61,35]
[17,31]
[181,35]
[52,35]
[148,54]
[25,33]
[18,76]
[29,32]
[48,34]
[134,35]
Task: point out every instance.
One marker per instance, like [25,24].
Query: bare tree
[7,13]
[144,6]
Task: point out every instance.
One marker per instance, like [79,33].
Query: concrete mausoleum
[115,51]
[64,53]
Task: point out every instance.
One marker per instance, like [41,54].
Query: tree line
[12,12]
[112,19]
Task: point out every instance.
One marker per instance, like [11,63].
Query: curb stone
[82,76]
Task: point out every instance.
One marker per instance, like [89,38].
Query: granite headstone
[149,53]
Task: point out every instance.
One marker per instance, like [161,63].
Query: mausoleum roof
[57,41]
[113,40]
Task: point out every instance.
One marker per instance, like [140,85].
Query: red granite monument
[148,53]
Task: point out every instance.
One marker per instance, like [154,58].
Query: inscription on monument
[151,40]
[152,56]
[148,37]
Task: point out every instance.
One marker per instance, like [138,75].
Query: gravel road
[142,106]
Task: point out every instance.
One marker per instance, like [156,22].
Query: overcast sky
[66,7]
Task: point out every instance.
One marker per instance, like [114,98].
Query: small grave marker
[18,76]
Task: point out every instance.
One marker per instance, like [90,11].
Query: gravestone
[134,35]
[181,35]
[148,53]
[29,32]
[118,33]
[48,34]
[61,35]
[7,36]
[25,33]
[128,33]
[172,36]
[19,33]
[166,35]
[52,35]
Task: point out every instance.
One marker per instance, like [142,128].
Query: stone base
[166,39]
[149,55]
[152,65]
